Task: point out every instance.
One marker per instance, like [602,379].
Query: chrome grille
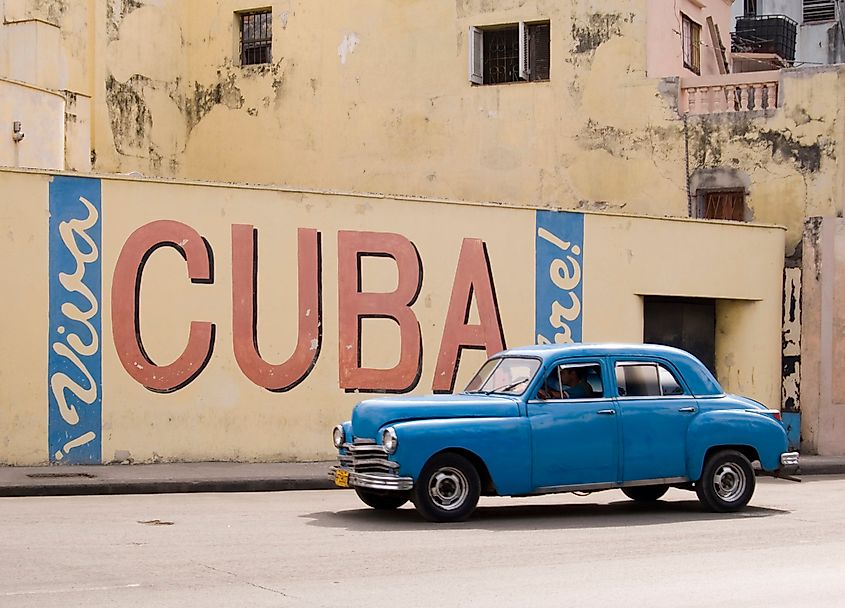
[366,458]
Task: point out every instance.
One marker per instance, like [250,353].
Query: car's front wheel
[645,493]
[727,482]
[447,489]
[383,501]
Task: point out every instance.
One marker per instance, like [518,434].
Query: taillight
[773,413]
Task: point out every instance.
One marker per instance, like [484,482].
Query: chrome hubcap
[448,488]
[729,482]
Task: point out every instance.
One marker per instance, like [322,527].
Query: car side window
[646,380]
[669,385]
[572,381]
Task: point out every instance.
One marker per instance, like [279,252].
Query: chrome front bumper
[374,481]
[789,459]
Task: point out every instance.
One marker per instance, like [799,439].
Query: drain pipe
[686,164]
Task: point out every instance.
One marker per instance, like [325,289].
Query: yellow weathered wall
[23,349]
[741,269]
[376,98]
[42,116]
[222,415]
[793,156]
[225,415]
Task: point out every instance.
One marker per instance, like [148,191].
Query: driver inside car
[575,386]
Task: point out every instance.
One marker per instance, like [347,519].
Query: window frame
[257,43]
[657,365]
[703,196]
[556,367]
[526,63]
[693,40]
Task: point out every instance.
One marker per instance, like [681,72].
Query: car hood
[370,415]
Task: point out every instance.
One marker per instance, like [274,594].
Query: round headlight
[338,436]
[389,440]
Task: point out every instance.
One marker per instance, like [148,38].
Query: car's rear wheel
[383,501]
[727,482]
[447,489]
[645,493]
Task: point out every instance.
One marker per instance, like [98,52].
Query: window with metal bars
[722,205]
[691,39]
[817,11]
[256,37]
[510,53]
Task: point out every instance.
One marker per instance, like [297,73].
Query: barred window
[691,38]
[817,11]
[722,205]
[510,53]
[256,37]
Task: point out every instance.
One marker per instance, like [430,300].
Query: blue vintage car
[563,418]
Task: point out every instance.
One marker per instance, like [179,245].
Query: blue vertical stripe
[74,372]
[559,282]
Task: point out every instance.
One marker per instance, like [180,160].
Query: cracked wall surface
[377,99]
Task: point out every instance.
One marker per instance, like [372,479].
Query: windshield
[508,375]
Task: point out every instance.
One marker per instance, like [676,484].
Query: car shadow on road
[538,517]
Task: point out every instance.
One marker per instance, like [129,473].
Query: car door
[575,441]
[655,409]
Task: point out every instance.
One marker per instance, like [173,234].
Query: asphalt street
[324,548]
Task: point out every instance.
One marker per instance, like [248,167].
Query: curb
[164,487]
[276,481]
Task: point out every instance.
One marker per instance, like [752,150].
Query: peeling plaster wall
[376,98]
[141,116]
[794,155]
[822,386]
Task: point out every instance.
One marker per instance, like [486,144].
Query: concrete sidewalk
[71,480]
[217,477]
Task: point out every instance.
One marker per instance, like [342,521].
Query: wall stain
[466,8]
[808,157]
[202,99]
[621,143]
[116,12]
[708,134]
[52,11]
[131,119]
[590,33]
[586,205]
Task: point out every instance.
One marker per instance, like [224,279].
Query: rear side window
[646,380]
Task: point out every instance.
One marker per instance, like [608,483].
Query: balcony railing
[730,93]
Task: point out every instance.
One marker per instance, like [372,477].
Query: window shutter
[816,11]
[476,55]
[524,72]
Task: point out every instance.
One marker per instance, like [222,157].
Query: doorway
[687,323]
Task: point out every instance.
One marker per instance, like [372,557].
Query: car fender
[734,428]
[502,444]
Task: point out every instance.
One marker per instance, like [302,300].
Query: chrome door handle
[606,412]
[687,409]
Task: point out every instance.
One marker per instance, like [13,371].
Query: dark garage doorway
[687,323]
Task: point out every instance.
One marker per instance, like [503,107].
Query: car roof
[698,378]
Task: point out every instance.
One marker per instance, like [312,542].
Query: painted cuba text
[473,282]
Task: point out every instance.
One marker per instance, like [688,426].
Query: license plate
[341,478]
